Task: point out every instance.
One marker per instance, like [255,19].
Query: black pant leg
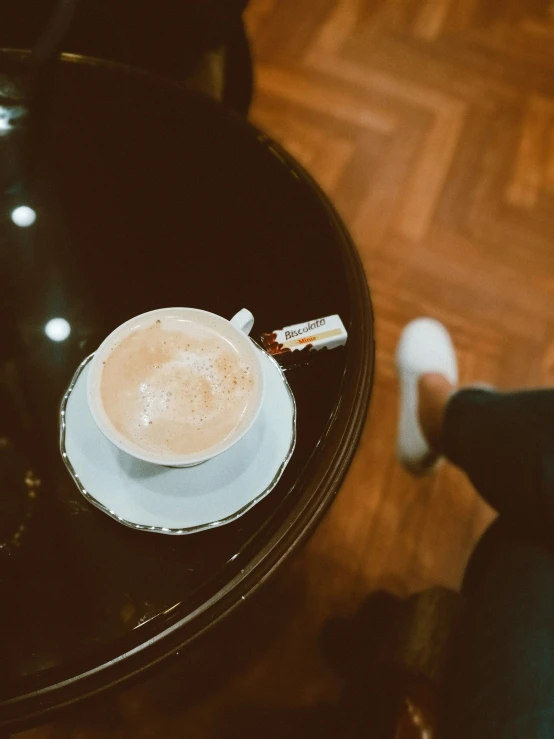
[501,683]
[505,444]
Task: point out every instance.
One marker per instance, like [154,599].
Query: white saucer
[179,500]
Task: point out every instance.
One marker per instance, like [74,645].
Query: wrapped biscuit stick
[297,343]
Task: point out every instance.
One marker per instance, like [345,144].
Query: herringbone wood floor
[430,123]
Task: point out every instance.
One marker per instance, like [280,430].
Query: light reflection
[57,329]
[8,116]
[24,216]
[5,119]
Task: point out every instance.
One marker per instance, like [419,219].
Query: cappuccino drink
[179,387]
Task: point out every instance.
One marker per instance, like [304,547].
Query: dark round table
[148,195]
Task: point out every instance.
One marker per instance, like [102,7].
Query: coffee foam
[178,388]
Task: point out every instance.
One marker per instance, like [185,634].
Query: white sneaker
[425,346]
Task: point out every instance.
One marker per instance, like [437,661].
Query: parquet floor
[430,123]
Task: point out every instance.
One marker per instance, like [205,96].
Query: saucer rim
[181,531]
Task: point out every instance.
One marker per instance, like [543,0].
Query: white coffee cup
[236,331]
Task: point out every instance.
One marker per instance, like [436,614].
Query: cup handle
[243,320]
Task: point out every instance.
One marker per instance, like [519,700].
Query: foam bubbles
[177,392]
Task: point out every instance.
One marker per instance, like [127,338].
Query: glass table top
[145,195]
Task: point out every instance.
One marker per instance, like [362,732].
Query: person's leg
[502,678]
[505,444]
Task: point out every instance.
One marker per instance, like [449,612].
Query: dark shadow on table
[391,654]
[208,666]
[362,649]
[202,43]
